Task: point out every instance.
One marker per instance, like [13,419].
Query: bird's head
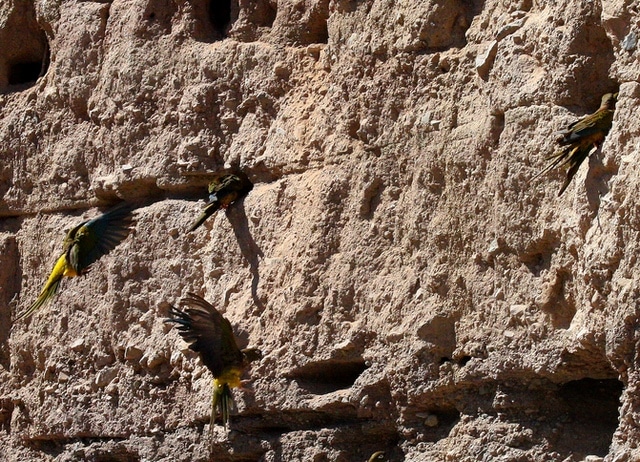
[609,101]
[377,456]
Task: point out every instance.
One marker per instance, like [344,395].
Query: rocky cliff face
[413,289]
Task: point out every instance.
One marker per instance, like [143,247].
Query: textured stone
[413,289]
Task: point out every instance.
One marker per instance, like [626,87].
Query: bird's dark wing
[245,185]
[222,181]
[208,333]
[92,239]
[221,187]
[229,187]
[593,127]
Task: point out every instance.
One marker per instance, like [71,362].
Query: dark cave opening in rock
[24,64]
[439,423]
[24,72]
[591,415]
[328,376]
[6,412]
[220,16]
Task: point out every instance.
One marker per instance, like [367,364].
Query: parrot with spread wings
[210,335]
[83,246]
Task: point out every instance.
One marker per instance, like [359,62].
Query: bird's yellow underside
[61,268]
[231,377]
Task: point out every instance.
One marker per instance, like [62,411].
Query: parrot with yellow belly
[82,247]
[210,335]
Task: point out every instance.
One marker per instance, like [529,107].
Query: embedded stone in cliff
[484,61]
[629,42]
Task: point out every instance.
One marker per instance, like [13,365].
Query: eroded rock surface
[412,289]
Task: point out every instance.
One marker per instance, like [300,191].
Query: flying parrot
[224,190]
[82,246]
[581,137]
[210,335]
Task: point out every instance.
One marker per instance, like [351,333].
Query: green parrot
[581,137]
[377,456]
[82,246]
[210,335]
[224,190]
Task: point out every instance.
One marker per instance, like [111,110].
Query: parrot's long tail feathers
[222,401]
[565,185]
[575,160]
[50,289]
[198,222]
[559,158]
[206,213]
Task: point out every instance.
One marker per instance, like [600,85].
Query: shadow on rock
[250,250]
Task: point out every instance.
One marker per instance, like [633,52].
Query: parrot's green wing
[89,241]
[222,181]
[208,333]
[229,187]
[595,126]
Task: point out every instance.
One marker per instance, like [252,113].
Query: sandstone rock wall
[413,288]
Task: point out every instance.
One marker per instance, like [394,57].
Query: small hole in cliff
[28,72]
[538,254]
[436,424]
[220,16]
[266,14]
[591,415]
[317,30]
[118,455]
[26,56]
[447,419]
[322,34]
[24,69]
[325,377]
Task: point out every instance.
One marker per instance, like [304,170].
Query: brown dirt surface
[412,287]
